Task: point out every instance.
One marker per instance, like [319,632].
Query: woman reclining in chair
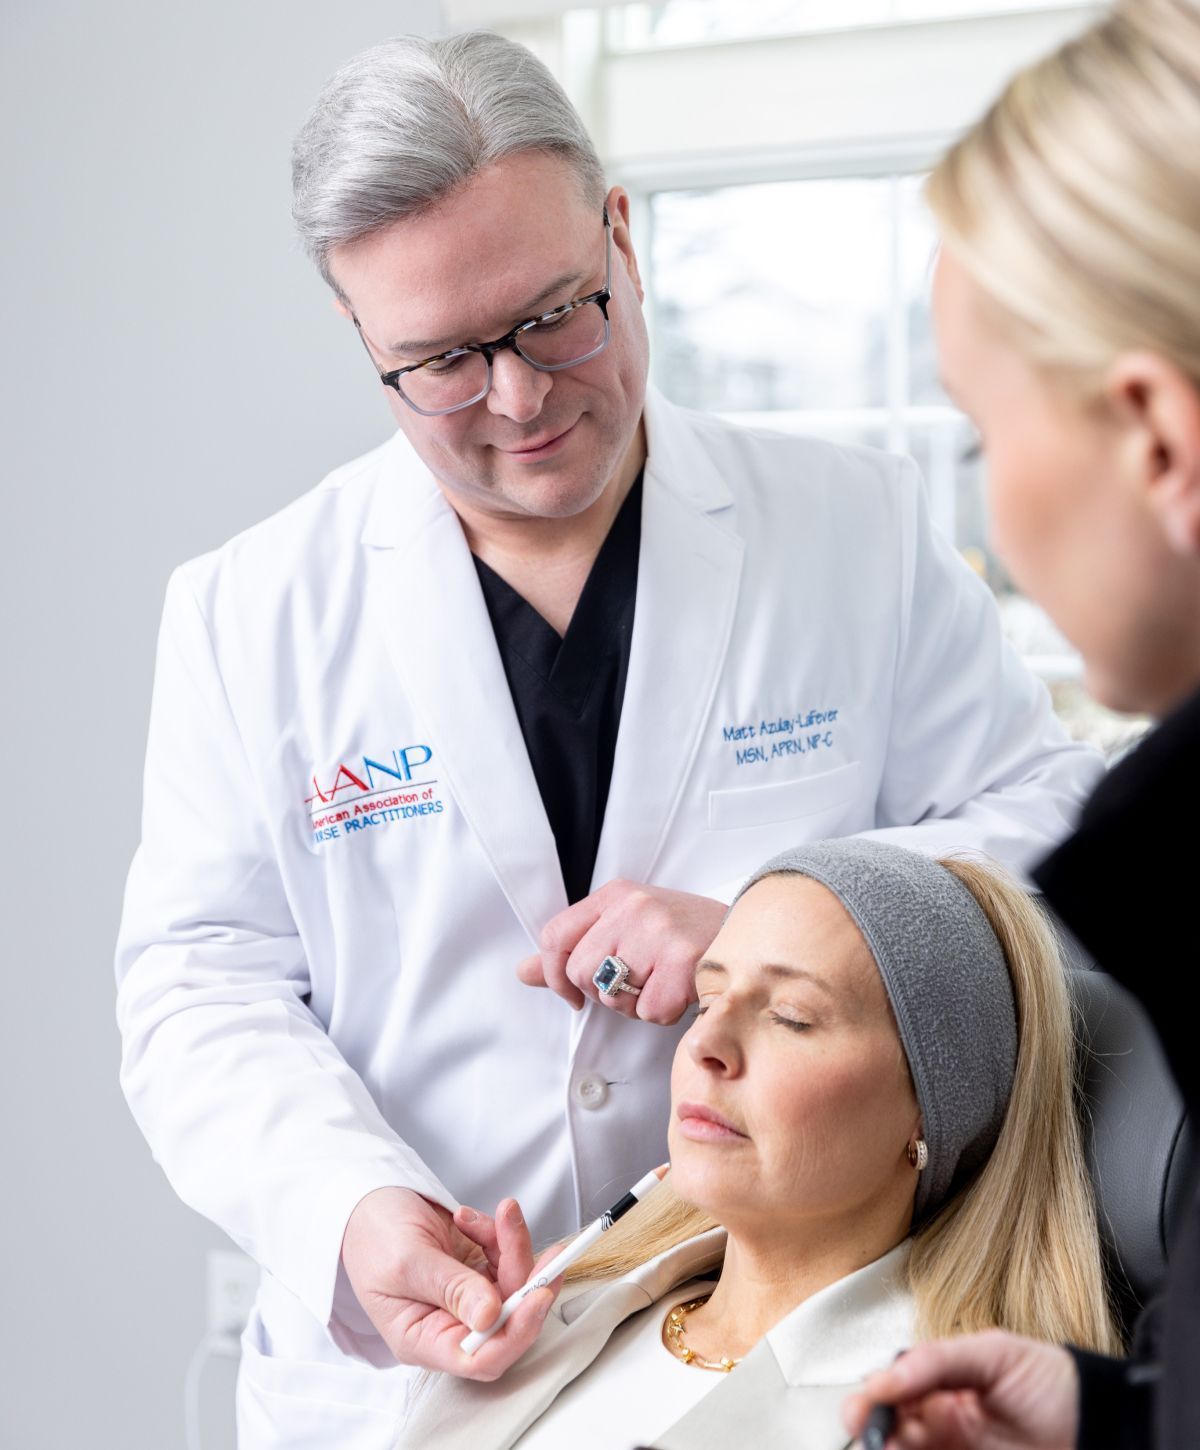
[873,1140]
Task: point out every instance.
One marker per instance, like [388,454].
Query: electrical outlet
[232,1285]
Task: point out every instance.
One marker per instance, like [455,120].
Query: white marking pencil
[564,1259]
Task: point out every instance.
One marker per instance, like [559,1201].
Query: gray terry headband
[949,987]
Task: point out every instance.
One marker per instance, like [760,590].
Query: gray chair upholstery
[1139,1143]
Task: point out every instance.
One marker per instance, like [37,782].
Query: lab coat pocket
[765,805]
[310,1405]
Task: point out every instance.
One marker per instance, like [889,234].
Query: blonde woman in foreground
[873,1141]
[1067,304]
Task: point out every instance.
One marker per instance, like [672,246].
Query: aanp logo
[373,793]
[367,779]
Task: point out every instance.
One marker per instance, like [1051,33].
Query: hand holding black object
[991,1391]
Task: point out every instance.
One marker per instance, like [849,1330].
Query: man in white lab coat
[555,634]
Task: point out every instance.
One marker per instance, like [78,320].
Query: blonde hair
[1018,1247]
[1074,203]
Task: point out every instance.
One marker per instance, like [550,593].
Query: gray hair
[404,123]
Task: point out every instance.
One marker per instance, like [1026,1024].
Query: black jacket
[1128,885]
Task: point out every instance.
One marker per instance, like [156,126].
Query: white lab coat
[344,852]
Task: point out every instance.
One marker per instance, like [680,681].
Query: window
[697,22]
[803,305]
[780,227]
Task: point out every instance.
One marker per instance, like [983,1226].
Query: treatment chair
[1140,1146]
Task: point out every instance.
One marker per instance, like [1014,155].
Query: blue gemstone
[607,975]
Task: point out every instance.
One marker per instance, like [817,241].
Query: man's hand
[424,1278]
[659,934]
[991,1391]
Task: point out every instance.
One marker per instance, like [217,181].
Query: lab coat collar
[424,593]
[424,589]
[676,457]
[689,577]
[676,460]
[406,498]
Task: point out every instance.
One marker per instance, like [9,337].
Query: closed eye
[553,320]
[794,1023]
[439,367]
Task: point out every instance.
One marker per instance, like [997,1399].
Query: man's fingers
[530,972]
[480,1228]
[504,1239]
[562,932]
[516,1247]
[548,969]
[590,951]
[668,993]
[579,966]
[554,969]
[508,1344]
[432,1277]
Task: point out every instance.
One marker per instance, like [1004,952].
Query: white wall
[170,371]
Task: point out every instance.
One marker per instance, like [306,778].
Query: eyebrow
[426,346]
[775,970]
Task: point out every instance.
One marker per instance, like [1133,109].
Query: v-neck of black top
[568,691]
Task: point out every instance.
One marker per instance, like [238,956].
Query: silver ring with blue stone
[612,976]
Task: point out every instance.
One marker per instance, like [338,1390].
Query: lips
[706,1124]
[536,445]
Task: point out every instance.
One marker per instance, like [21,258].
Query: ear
[617,202]
[1160,408]
[339,305]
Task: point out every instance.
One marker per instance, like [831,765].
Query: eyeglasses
[564,337]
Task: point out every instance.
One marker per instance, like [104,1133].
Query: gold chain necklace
[675,1342]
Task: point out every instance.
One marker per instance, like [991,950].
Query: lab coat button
[591,1091]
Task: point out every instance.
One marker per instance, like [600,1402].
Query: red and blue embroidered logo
[373,794]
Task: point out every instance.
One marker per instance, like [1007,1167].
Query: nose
[713,1042]
[518,390]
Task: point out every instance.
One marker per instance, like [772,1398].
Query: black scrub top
[568,691]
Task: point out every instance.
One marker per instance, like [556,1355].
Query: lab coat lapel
[423,589]
[689,572]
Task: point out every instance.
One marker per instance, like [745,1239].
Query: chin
[1128,692]
[706,1184]
[561,494]
[1108,692]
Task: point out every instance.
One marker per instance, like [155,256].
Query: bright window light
[695,22]
[803,305]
